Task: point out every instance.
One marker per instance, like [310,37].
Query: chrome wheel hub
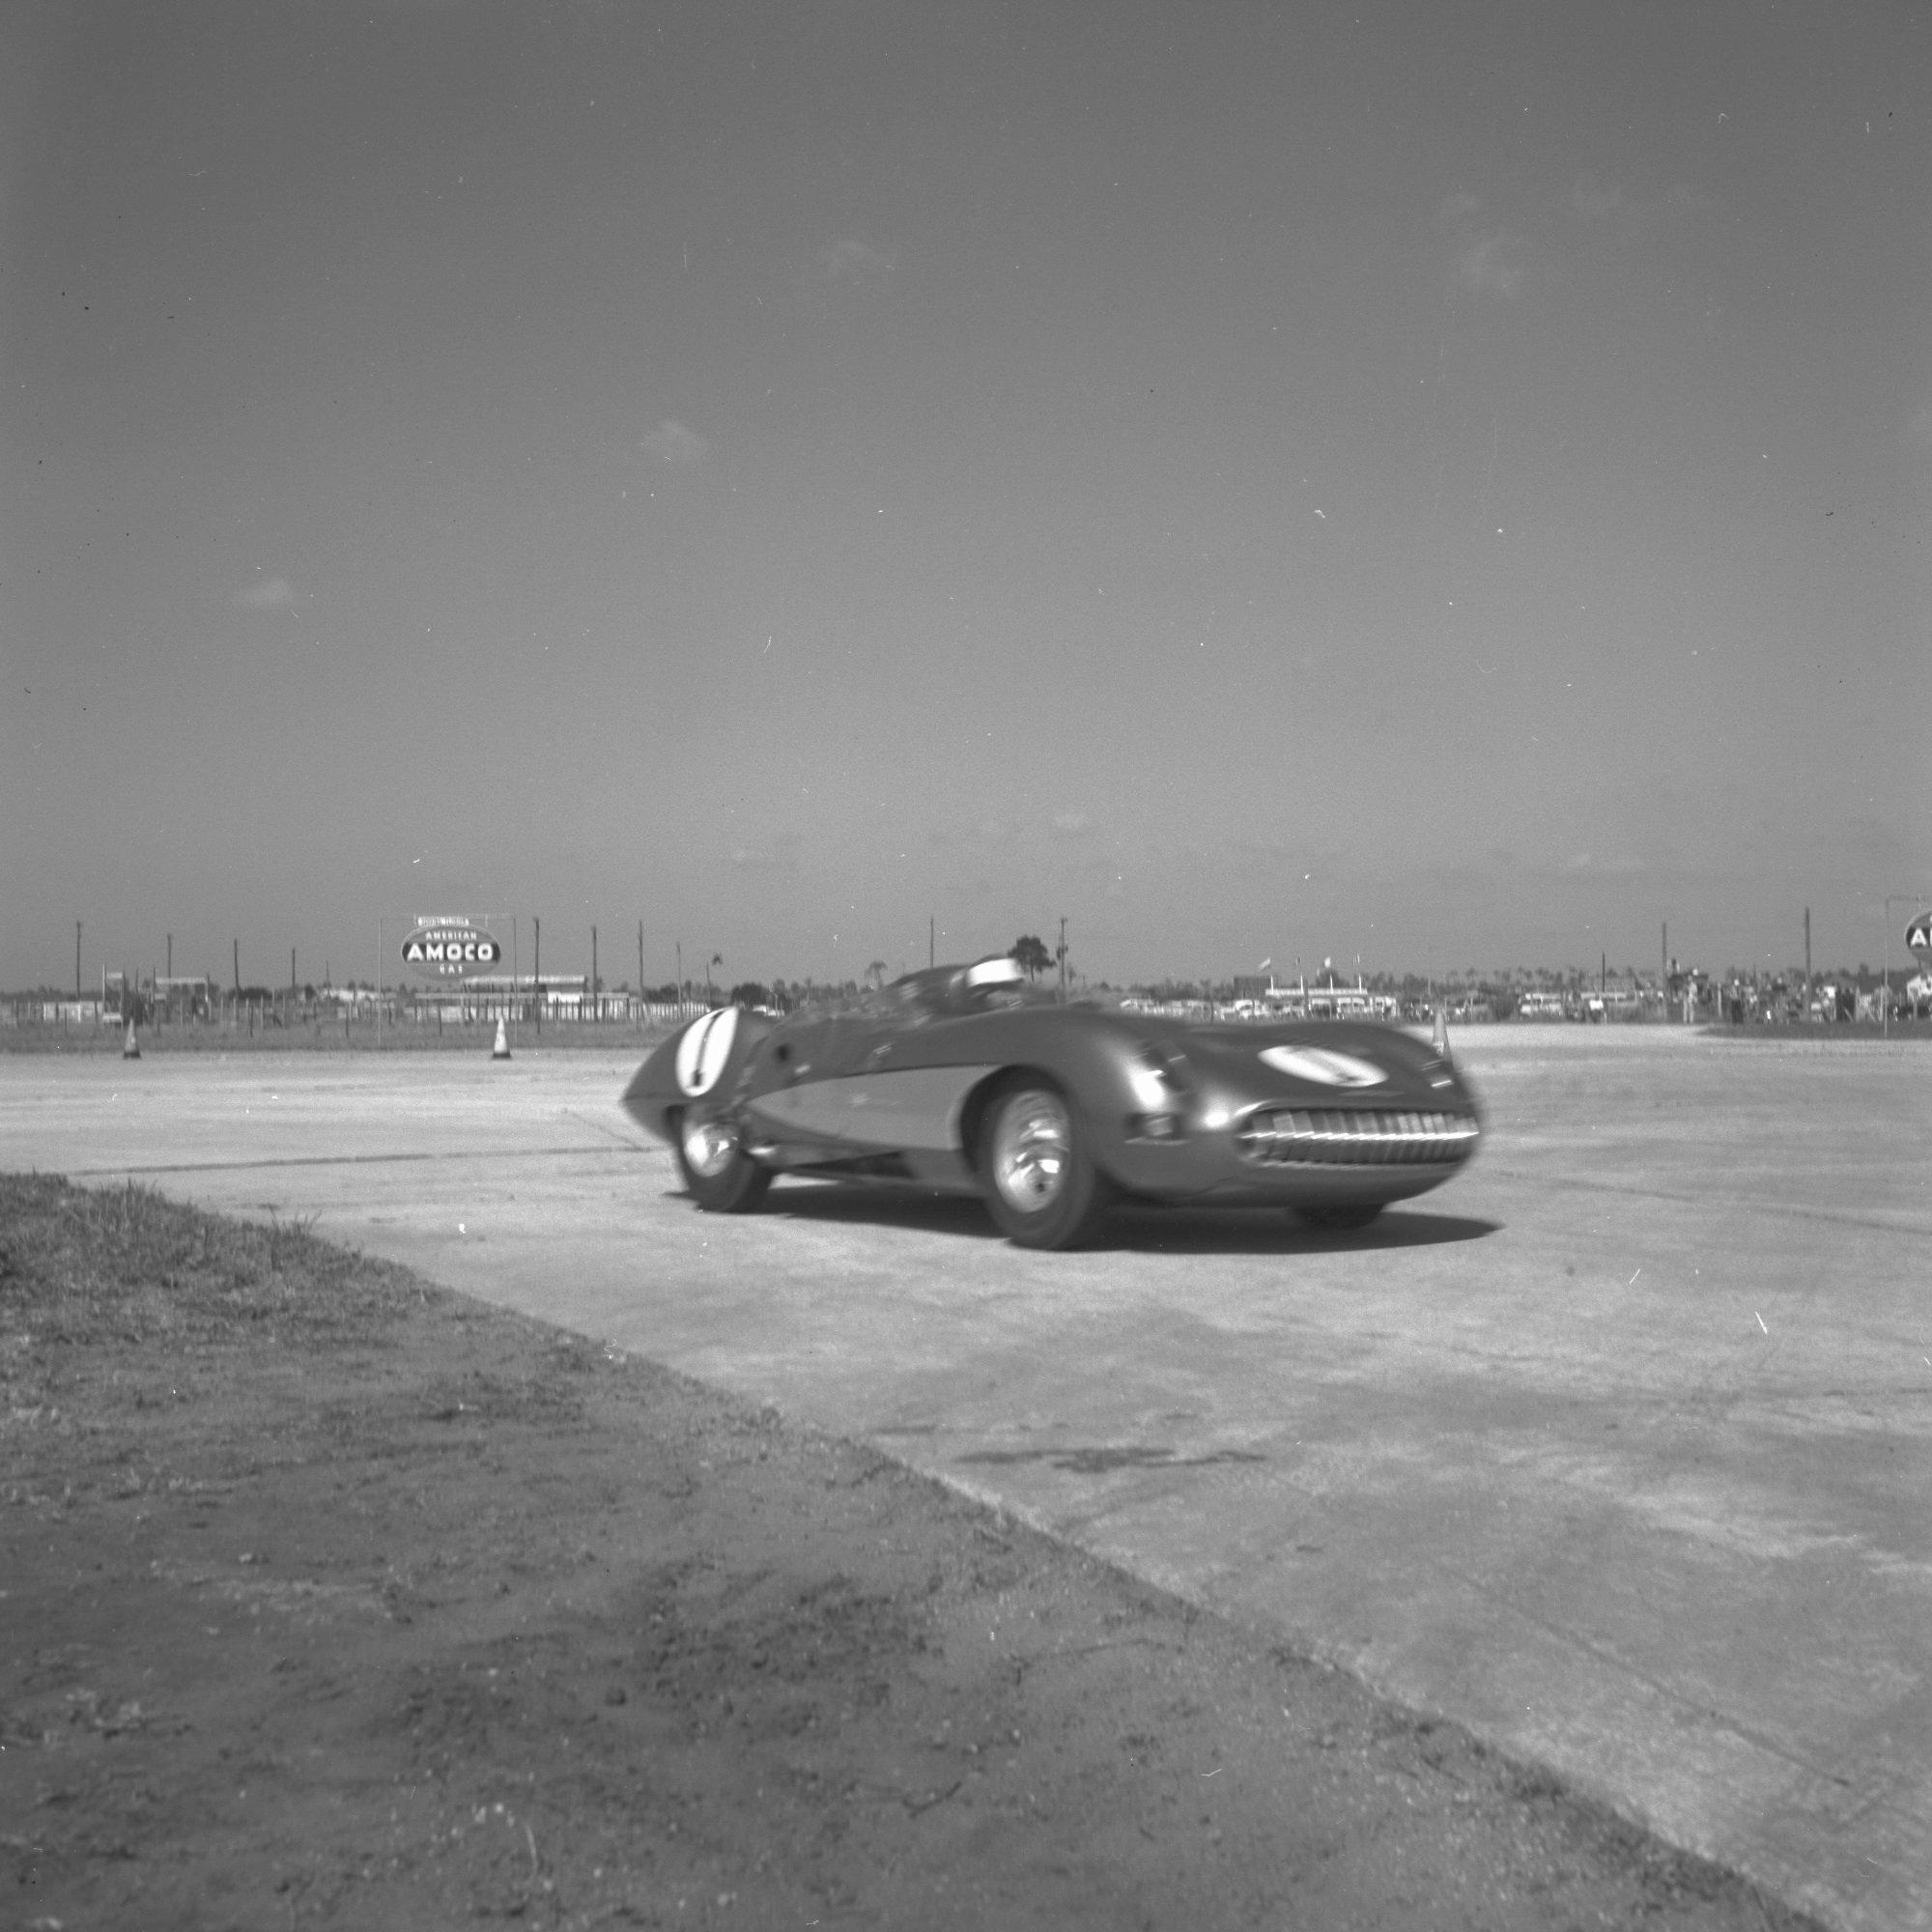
[709,1146]
[1031,1145]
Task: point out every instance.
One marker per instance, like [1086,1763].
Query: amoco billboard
[449,948]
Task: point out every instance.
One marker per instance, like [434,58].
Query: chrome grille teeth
[1298,1136]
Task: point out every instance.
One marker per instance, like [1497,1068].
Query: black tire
[719,1175]
[1337,1215]
[1042,1187]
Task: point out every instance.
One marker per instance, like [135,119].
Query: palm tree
[876,972]
[1031,956]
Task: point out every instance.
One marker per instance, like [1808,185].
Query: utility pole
[640,968]
[680,981]
[536,972]
[931,931]
[171,956]
[596,1006]
[1063,959]
[76,959]
[1663,969]
[237,944]
[1808,962]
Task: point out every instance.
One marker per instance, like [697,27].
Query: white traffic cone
[130,1047]
[1441,1030]
[502,1050]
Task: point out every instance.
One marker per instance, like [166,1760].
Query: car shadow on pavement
[885,1204]
[1129,1228]
[1267,1230]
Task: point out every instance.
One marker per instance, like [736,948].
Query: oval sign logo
[449,948]
[1323,1066]
[704,1049]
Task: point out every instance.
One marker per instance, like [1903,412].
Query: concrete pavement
[1618,1449]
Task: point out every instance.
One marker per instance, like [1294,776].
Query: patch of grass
[83,1266]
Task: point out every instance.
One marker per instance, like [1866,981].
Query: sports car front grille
[1332,1138]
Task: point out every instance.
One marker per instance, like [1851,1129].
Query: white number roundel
[704,1049]
[1323,1066]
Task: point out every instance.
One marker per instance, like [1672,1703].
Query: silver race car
[962,1079]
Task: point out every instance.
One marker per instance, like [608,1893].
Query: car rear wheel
[1042,1188]
[719,1175]
[1338,1214]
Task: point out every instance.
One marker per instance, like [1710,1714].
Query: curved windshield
[936,993]
[998,997]
[905,999]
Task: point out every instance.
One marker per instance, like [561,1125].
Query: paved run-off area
[1615,1450]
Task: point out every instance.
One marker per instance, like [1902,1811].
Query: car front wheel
[719,1175]
[1042,1187]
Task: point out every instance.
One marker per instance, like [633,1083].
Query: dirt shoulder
[327,1597]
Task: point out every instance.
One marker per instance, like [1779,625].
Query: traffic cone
[502,1050]
[1441,1030]
[130,1047]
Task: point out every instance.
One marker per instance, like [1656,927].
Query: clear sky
[1447,483]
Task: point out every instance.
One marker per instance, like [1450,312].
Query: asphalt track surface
[1618,1449]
